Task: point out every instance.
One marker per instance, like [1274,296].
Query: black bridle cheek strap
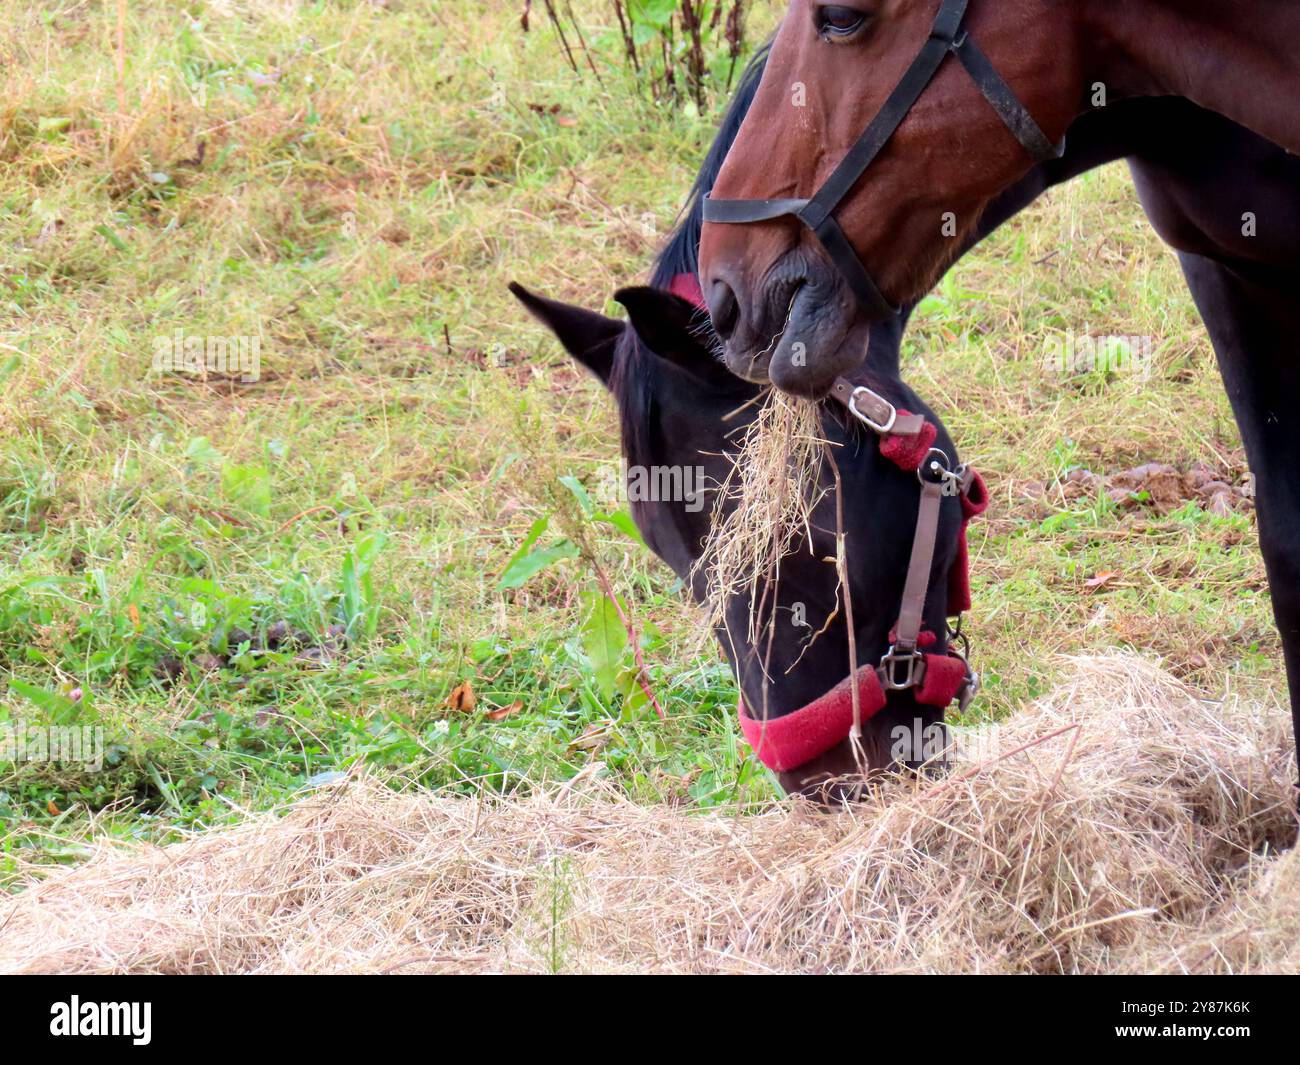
[946,37]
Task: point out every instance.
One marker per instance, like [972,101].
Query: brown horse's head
[783,308]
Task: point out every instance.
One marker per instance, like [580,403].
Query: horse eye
[833,20]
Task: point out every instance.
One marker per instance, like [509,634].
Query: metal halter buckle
[853,406]
[912,664]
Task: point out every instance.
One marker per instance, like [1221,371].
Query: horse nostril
[723,308]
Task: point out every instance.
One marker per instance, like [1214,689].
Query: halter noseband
[946,37]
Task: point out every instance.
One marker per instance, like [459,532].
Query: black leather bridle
[946,37]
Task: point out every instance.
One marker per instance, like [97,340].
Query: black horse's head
[681,410]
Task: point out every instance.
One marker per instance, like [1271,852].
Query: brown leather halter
[946,38]
[937,678]
[903,665]
[907,440]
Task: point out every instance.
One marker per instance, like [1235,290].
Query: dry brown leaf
[462,698]
[504,712]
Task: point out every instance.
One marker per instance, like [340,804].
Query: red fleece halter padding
[788,742]
[908,452]
[943,678]
[785,743]
[687,286]
[974,502]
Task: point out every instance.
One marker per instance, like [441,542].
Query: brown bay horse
[887,135]
[901,120]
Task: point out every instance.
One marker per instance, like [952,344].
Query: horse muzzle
[799,330]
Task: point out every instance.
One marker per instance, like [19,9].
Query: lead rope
[842,568]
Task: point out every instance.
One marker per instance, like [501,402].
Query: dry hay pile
[1142,839]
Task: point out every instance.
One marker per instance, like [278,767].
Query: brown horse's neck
[1238,59]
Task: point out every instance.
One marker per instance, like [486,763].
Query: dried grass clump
[765,505]
[1120,823]
[1256,931]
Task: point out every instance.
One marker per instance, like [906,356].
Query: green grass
[354,184]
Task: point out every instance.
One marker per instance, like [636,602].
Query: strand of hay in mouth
[765,505]
[1139,839]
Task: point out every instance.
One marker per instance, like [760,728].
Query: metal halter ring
[949,479]
[955,634]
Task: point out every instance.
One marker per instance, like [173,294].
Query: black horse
[679,408]
[673,396]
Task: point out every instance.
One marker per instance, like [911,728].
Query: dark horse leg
[1253,323]
[1198,192]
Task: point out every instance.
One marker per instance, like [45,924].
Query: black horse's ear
[587,336]
[674,329]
